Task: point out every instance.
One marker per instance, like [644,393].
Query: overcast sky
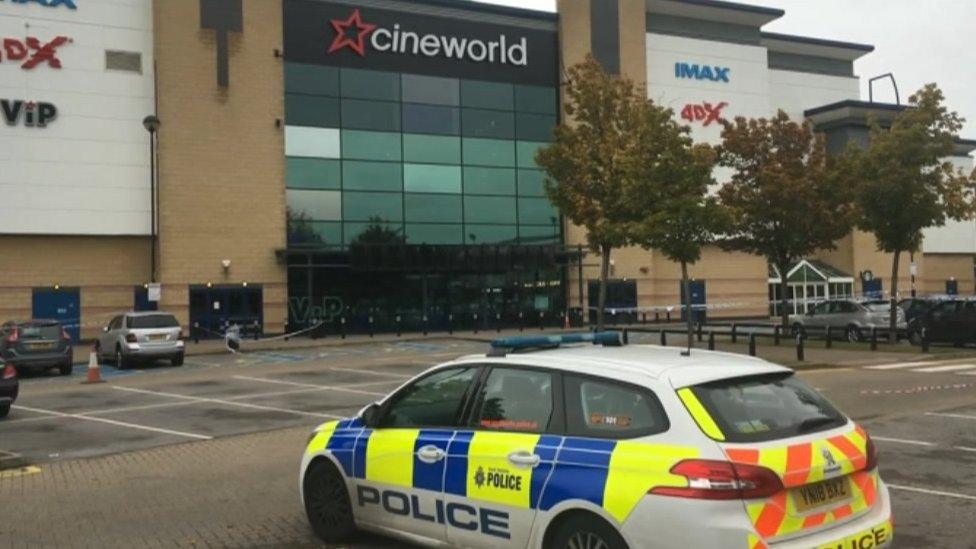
[920,41]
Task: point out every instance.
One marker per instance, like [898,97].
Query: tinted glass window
[430,119]
[153,321]
[822,308]
[434,401]
[430,89]
[606,409]
[312,173]
[488,152]
[489,180]
[535,99]
[526,153]
[372,176]
[314,79]
[431,179]
[516,400]
[311,110]
[370,115]
[534,127]
[490,234]
[487,95]
[531,183]
[769,407]
[370,145]
[365,84]
[421,233]
[484,123]
[433,149]
[536,211]
[372,206]
[433,208]
[314,233]
[539,234]
[489,209]
[315,205]
[373,233]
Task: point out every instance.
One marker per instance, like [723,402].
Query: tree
[591,166]
[784,200]
[904,182]
[378,232]
[301,231]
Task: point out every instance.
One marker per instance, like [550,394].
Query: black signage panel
[369,38]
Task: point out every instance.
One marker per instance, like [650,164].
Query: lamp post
[151,123]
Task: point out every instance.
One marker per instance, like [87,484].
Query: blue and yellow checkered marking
[611,474]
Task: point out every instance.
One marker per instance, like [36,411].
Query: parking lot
[207,454]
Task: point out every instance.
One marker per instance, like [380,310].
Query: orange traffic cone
[94,370]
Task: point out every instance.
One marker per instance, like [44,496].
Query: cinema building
[370,163]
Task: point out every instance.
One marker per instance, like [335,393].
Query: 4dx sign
[703,112]
[31,52]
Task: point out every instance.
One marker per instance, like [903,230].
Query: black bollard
[664,338]
[776,332]
[644,318]
[399,324]
[925,340]
[450,324]
[196,332]
[498,322]
[657,317]
[475,322]
[425,324]
[874,339]
[521,321]
[668,314]
[542,319]
[257,330]
[711,340]
[315,328]
[752,344]
[829,338]
[342,327]
[699,332]
[626,336]
[735,335]
[799,347]
[372,329]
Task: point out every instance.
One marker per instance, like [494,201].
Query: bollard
[425,324]
[450,324]
[776,332]
[542,317]
[664,338]
[644,318]
[668,316]
[521,321]
[657,317]
[372,329]
[799,347]
[475,322]
[342,327]
[287,329]
[626,336]
[925,340]
[613,317]
[699,332]
[874,339]
[196,332]
[829,338]
[711,340]
[257,330]
[735,336]
[399,326]
[315,328]
[498,323]
[752,344]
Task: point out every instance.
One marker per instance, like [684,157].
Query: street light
[151,123]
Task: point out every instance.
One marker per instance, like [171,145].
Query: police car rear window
[516,400]
[767,407]
[606,409]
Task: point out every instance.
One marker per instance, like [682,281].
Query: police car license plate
[821,493]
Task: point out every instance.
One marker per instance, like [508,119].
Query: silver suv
[141,336]
[855,318]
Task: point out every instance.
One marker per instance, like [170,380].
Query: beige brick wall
[106,269]
[221,191]
[938,268]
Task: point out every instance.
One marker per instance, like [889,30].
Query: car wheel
[4,410]
[177,360]
[915,337]
[586,532]
[120,362]
[327,503]
[66,369]
[853,334]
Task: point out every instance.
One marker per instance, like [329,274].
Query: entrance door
[952,287]
[698,312]
[872,288]
[213,309]
[63,305]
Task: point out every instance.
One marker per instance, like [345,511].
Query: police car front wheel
[327,503]
[586,532]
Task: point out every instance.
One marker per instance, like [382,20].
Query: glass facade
[431,160]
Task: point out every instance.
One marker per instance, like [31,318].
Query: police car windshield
[768,407]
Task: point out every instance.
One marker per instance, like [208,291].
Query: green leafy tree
[378,232]
[904,182]
[784,200]
[301,232]
[592,166]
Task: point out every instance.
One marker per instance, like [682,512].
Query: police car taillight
[712,479]
[872,453]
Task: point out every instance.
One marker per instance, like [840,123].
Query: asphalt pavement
[207,454]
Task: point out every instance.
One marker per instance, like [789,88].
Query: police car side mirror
[371,415]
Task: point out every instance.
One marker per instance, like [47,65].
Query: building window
[364,84]
[431,119]
[433,208]
[485,123]
[385,207]
[488,152]
[489,209]
[370,115]
[311,79]
[311,110]
[312,173]
[431,90]
[315,205]
[487,95]
[361,145]
[428,178]
[479,180]
[372,176]
[431,149]
[128,61]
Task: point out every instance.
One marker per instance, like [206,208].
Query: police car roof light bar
[500,347]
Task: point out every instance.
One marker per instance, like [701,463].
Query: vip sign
[355,34]
[70,4]
[702,72]
[31,52]
[29,113]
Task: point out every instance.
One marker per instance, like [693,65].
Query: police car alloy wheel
[327,502]
[583,532]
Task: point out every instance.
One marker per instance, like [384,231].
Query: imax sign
[354,34]
[701,72]
[47,3]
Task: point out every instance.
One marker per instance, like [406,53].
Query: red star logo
[342,39]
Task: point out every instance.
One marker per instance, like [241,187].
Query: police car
[599,446]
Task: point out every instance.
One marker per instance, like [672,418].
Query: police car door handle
[524,459]
[430,454]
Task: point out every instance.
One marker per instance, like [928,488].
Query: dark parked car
[36,345]
[915,307]
[949,321]
[8,388]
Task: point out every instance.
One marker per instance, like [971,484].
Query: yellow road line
[21,472]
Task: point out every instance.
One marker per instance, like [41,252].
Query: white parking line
[931,492]
[900,365]
[344,388]
[956,416]
[903,441]
[227,402]
[114,422]
[369,372]
[949,368]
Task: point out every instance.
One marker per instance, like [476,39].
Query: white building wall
[955,237]
[795,92]
[87,172]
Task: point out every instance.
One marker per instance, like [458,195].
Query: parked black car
[948,321]
[9,386]
[915,307]
[36,345]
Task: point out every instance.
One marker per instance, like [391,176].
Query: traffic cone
[94,370]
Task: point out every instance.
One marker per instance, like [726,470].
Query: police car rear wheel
[327,503]
[586,532]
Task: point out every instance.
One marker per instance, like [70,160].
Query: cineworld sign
[355,34]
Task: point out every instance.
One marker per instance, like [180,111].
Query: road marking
[900,365]
[903,441]
[950,368]
[931,492]
[21,472]
[309,385]
[369,372]
[228,403]
[965,448]
[956,416]
[114,422]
